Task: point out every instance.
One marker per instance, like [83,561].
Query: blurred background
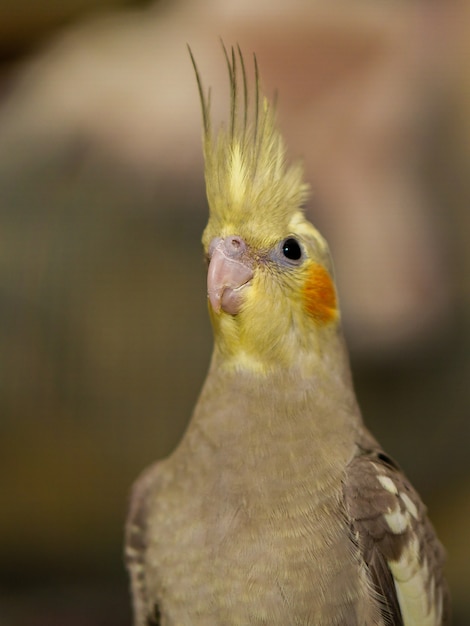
[104,337]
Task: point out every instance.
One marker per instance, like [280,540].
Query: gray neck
[247,417]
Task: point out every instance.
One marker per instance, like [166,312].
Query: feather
[245,165]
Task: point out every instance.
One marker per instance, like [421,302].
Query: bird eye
[291,249]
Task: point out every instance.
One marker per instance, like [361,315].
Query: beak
[230,271]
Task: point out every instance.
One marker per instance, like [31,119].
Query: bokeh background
[104,338]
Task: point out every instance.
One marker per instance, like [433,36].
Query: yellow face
[284,306]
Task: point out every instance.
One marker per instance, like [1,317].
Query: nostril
[234,245]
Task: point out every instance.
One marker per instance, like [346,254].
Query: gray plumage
[277,507]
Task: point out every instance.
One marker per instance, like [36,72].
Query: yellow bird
[277,507]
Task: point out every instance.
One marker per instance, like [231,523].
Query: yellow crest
[248,184]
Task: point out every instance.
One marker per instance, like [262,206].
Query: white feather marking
[397,521]
[387,483]
[410,505]
[411,581]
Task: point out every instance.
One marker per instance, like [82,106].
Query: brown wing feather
[374,489]
[136,546]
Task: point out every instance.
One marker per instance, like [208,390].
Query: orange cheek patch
[319,295]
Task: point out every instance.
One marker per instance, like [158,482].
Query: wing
[397,542]
[136,546]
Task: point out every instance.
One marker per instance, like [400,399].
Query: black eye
[291,249]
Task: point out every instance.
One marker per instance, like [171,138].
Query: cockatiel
[277,507]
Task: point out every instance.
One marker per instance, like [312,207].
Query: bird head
[271,292]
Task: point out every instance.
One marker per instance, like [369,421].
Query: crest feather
[248,183]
